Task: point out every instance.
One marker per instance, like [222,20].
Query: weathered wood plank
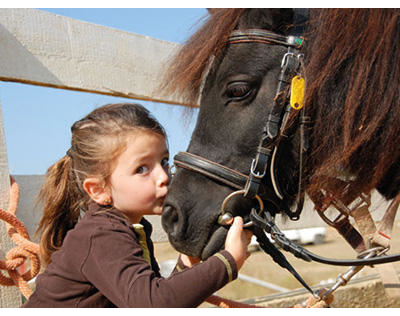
[42,48]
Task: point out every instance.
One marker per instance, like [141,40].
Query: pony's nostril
[172,220]
[172,215]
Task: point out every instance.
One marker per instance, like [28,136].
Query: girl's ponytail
[60,197]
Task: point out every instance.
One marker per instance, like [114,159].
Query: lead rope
[25,249]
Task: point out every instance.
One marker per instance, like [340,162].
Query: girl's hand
[237,241]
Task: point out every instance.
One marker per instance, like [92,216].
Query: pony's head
[239,79]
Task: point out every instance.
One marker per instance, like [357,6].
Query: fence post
[9,295]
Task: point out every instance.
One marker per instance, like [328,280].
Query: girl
[95,241]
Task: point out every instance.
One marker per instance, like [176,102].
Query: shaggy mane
[186,70]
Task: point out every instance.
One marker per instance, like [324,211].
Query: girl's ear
[96,189]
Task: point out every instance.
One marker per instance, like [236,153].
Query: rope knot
[25,249]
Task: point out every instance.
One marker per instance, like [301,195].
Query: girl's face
[140,179]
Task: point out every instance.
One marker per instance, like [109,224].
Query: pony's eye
[237,91]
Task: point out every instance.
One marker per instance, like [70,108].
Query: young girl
[96,243]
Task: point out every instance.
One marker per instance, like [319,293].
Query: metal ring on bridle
[172,170]
[226,217]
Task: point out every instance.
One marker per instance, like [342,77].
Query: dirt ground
[260,266]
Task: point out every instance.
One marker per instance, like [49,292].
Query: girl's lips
[161,200]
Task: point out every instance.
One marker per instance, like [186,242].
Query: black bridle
[273,132]
[264,162]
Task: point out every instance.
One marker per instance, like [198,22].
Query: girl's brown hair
[97,140]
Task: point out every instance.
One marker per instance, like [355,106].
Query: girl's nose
[163,178]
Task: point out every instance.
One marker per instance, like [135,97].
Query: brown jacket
[102,264]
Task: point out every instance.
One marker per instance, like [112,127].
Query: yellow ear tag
[297,92]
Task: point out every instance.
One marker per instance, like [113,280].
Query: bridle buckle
[255,174]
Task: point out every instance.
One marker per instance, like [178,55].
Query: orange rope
[24,250]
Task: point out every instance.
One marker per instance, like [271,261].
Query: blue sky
[37,120]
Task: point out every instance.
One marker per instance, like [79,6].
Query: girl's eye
[142,169]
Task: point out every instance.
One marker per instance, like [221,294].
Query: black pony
[351,115]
